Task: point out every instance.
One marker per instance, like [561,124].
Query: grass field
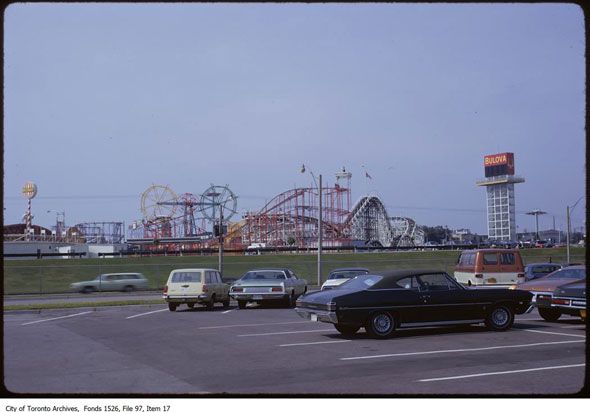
[55,276]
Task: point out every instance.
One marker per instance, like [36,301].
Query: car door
[408,301]
[445,300]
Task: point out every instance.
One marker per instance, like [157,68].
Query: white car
[339,276]
[126,282]
[192,286]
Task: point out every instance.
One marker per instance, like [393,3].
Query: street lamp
[319,222]
[568,211]
[536,213]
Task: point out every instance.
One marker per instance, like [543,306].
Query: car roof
[192,269]
[544,264]
[392,276]
[343,269]
[490,250]
[263,269]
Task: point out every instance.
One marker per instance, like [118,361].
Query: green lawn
[54,276]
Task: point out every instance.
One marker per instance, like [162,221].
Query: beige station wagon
[191,286]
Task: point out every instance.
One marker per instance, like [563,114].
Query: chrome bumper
[317,315]
[258,296]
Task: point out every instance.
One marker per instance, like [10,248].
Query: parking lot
[149,350]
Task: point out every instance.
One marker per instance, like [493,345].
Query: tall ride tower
[499,183]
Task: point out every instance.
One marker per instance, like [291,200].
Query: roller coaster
[289,219]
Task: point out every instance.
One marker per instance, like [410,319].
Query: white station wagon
[192,286]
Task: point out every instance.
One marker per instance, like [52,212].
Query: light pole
[568,211]
[320,223]
[59,225]
[536,213]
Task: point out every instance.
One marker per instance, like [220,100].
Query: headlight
[512,287]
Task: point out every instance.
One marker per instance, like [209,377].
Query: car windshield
[361,282]
[567,274]
[264,275]
[347,274]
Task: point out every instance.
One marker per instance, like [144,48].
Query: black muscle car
[408,298]
[570,299]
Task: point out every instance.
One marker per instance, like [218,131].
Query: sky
[101,101]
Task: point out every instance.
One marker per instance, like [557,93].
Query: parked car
[538,270]
[381,303]
[125,282]
[570,299]
[485,267]
[543,288]
[338,276]
[192,286]
[263,285]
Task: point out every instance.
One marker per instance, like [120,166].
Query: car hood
[577,289]
[544,285]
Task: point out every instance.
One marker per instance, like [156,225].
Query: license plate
[314,317]
[257,297]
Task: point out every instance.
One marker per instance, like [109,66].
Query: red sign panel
[499,164]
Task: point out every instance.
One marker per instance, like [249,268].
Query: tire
[172,306]
[242,304]
[549,314]
[290,300]
[211,303]
[347,330]
[500,318]
[88,289]
[380,325]
[190,305]
[226,304]
[128,289]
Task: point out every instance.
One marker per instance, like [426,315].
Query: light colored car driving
[192,286]
[125,282]
[338,276]
[262,285]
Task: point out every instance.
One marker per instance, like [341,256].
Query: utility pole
[569,227]
[320,235]
[220,228]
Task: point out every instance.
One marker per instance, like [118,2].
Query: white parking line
[554,333]
[228,311]
[146,313]
[314,343]
[287,333]
[390,355]
[250,324]
[61,317]
[501,373]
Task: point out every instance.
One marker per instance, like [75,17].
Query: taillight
[561,301]
[237,289]
[479,275]
[166,289]
[205,288]
[276,289]
[520,275]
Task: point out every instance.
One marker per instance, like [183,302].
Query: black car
[570,299]
[407,298]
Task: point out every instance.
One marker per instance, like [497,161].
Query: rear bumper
[256,297]
[186,299]
[317,315]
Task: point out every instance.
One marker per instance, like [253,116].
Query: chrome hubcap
[382,323]
[500,316]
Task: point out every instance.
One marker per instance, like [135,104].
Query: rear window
[467,259]
[347,274]
[361,282]
[179,277]
[568,274]
[264,275]
[507,258]
[490,259]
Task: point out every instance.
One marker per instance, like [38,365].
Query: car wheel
[88,289]
[128,288]
[242,304]
[500,318]
[290,300]
[381,325]
[549,314]
[211,303]
[347,330]
[190,305]
[172,307]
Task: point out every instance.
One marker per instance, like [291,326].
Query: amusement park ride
[189,222]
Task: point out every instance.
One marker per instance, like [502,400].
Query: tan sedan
[543,288]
